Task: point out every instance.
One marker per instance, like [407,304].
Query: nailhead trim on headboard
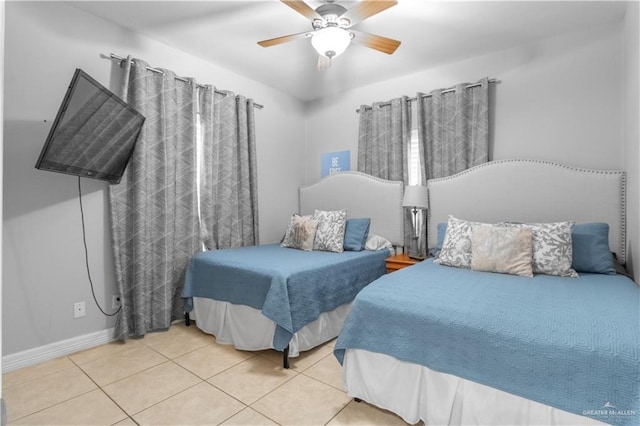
[621,250]
[381,192]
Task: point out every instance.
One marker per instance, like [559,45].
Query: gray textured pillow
[300,233]
[507,250]
[552,248]
[330,233]
[456,248]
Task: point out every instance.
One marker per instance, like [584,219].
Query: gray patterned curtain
[385,129]
[229,184]
[453,129]
[154,216]
[384,135]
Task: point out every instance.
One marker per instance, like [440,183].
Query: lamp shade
[415,196]
[330,41]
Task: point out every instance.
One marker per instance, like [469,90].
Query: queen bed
[495,342]
[274,296]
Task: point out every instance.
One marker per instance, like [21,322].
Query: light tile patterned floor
[182,377]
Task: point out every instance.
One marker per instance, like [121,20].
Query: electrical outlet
[79,310]
[115,302]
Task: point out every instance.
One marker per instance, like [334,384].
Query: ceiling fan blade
[366,9]
[284,39]
[379,43]
[323,62]
[302,8]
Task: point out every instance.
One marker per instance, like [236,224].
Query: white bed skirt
[418,393]
[247,329]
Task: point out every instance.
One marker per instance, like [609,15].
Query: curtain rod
[120,58]
[451,89]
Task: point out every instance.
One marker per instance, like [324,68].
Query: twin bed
[446,344]
[291,300]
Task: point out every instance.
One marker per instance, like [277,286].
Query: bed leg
[187,319]
[285,357]
[357,399]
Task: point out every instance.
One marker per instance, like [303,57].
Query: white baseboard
[55,350]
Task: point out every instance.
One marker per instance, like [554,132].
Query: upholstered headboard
[363,196]
[531,191]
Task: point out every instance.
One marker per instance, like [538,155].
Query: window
[414,159]
[199,159]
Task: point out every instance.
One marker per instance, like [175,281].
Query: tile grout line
[60,402]
[103,391]
[297,373]
[326,384]
[130,375]
[130,415]
[196,384]
[167,359]
[158,402]
[339,411]
[255,354]
[303,372]
[37,378]
[170,396]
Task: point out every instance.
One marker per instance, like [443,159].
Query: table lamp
[416,198]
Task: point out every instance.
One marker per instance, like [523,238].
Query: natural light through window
[414,159]
[199,155]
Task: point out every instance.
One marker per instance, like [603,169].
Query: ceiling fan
[332,28]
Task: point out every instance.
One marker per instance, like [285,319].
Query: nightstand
[399,261]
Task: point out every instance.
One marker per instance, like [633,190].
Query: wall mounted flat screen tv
[94,133]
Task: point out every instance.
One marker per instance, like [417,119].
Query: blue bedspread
[291,287]
[572,343]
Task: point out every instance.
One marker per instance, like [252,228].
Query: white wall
[559,99]
[3,416]
[632,133]
[44,271]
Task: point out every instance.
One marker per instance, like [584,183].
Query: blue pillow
[356,233]
[591,252]
[442,231]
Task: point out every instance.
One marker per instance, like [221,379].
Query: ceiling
[432,33]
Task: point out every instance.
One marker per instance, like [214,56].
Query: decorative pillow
[355,234]
[591,252]
[300,233]
[552,248]
[503,249]
[376,242]
[456,247]
[330,233]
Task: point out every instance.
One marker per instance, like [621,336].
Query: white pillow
[376,242]
[300,233]
[502,249]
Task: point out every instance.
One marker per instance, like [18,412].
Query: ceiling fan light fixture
[330,41]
